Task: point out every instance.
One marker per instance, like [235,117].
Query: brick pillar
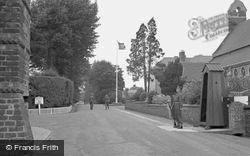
[14,61]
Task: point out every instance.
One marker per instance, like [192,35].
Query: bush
[120,98]
[150,96]
[143,96]
[50,72]
[99,96]
[161,99]
[190,93]
[57,91]
[137,94]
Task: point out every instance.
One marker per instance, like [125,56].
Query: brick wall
[14,58]
[191,114]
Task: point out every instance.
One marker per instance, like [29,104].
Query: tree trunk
[144,71]
[149,72]
[49,59]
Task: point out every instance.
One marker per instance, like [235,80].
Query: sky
[121,19]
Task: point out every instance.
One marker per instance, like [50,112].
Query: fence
[59,110]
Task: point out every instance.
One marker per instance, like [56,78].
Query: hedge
[57,91]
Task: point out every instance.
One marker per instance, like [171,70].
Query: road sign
[39,100]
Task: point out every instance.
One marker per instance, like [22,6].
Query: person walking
[107,101]
[175,108]
[91,102]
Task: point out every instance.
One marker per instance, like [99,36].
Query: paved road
[116,132]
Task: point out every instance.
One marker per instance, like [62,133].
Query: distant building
[192,67]
[234,52]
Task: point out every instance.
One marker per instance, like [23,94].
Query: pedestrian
[91,102]
[107,101]
[178,117]
[175,108]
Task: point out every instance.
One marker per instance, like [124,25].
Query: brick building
[14,63]
[234,52]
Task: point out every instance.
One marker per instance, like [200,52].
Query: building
[192,67]
[234,52]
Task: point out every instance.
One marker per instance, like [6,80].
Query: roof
[192,71]
[192,66]
[238,38]
[195,59]
[166,60]
[213,67]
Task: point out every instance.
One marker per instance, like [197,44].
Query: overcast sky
[120,20]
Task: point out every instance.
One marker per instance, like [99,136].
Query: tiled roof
[195,59]
[238,38]
[213,67]
[192,67]
[166,60]
[192,71]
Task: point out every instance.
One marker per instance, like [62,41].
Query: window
[235,72]
[243,72]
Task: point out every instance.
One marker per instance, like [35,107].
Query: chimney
[236,14]
[182,56]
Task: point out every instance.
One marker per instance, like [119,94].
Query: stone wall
[190,113]
[14,62]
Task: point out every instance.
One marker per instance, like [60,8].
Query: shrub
[190,93]
[50,72]
[150,96]
[143,96]
[57,91]
[137,94]
[161,99]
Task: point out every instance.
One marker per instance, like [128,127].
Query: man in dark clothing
[91,102]
[107,101]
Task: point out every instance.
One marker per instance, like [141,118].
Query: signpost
[39,102]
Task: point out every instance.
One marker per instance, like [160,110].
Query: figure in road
[107,101]
[175,108]
[91,102]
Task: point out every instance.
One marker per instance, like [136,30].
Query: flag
[121,46]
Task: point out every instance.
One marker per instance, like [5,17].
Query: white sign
[242,99]
[39,100]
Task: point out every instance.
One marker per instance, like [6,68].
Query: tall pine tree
[154,50]
[137,61]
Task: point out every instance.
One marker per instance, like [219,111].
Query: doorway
[204,98]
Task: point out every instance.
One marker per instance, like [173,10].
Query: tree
[102,80]
[63,37]
[137,61]
[170,78]
[154,50]
[145,49]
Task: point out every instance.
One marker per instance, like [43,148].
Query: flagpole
[116,76]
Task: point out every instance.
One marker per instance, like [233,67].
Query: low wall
[157,110]
[190,113]
[59,110]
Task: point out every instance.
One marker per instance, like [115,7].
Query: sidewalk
[40,133]
[167,124]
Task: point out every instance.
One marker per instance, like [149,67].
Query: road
[117,132]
